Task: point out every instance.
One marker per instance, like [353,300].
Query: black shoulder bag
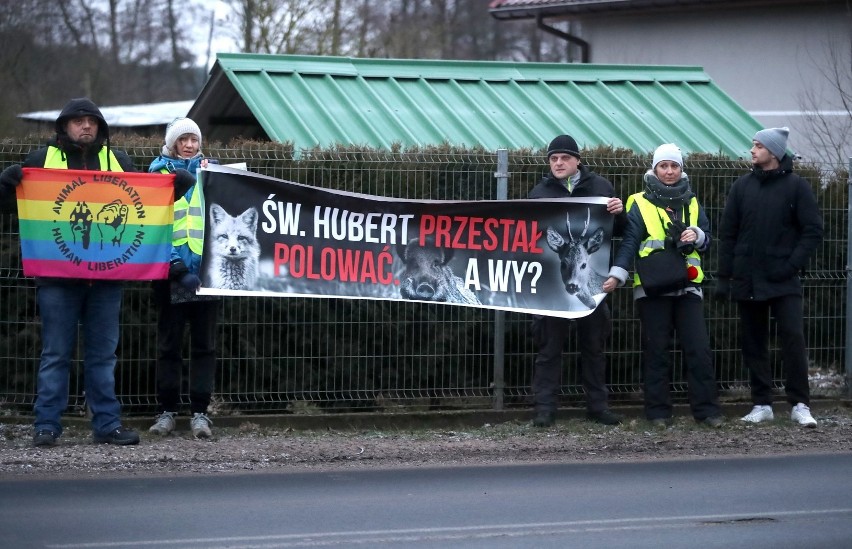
[664,270]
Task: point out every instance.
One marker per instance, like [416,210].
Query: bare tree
[369,20]
[827,104]
[431,29]
[336,28]
[115,51]
[274,26]
[127,51]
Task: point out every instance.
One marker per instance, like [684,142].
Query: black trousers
[172,318]
[660,316]
[754,334]
[550,334]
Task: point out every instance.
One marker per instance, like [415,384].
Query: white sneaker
[200,425]
[761,412]
[164,425]
[801,414]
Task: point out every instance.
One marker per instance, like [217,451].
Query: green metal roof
[324,101]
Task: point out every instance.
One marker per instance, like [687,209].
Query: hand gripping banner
[270,237]
[95,225]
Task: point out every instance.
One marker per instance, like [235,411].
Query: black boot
[544,419]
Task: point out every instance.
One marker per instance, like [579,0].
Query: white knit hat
[667,151]
[179,127]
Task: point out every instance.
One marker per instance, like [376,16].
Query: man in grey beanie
[770,228]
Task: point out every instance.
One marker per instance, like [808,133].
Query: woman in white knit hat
[176,300]
[182,149]
[666,222]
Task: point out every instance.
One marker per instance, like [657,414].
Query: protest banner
[95,225]
[270,237]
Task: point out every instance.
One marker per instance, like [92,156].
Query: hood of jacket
[76,108]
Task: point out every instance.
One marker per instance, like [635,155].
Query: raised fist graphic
[112,220]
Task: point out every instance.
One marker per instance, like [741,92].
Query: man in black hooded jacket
[770,228]
[81,143]
[568,177]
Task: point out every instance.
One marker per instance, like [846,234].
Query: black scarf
[675,196]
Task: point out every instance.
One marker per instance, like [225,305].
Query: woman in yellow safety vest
[176,301]
[667,214]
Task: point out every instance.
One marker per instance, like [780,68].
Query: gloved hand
[674,231]
[177,269]
[11,176]
[183,181]
[679,226]
[722,289]
[190,281]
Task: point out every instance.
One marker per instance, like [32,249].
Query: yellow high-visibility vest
[55,160]
[188,226]
[653,218]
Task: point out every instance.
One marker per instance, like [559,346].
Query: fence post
[848,346]
[502,176]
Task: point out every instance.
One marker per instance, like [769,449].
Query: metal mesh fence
[304,355]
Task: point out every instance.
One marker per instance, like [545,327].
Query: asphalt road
[795,501]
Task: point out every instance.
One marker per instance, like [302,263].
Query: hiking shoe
[761,412]
[119,436]
[605,417]
[200,425]
[801,414]
[45,437]
[713,421]
[662,423]
[544,419]
[164,425]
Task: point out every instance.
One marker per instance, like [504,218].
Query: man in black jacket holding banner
[568,177]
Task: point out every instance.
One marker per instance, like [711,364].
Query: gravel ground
[243,445]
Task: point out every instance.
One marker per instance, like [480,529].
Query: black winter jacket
[770,228]
[589,185]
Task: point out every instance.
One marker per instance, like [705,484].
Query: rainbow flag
[95,225]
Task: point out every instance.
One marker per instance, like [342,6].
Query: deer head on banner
[578,276]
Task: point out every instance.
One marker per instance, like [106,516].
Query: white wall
[766,59]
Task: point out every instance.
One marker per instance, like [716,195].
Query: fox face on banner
[266,236]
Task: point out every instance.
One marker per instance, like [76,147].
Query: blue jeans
[96,307]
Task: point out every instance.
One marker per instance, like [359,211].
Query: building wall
[766,59]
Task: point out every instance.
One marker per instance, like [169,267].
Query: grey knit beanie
[774,139]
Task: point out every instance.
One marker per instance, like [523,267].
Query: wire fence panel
[315,355]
